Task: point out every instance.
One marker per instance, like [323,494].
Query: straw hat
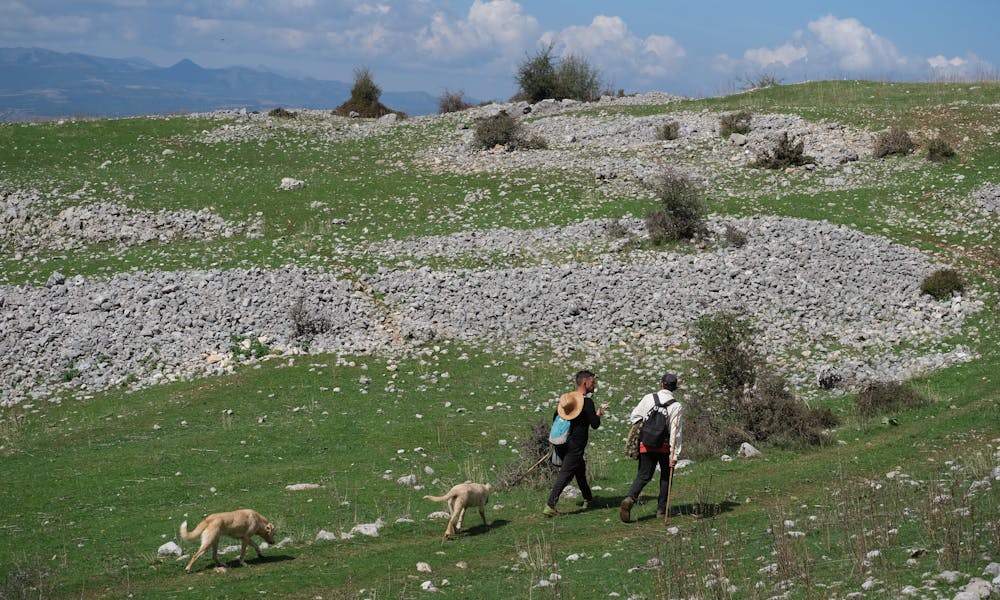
[570,405]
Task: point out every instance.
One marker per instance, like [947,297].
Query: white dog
[461,497]
[239,524]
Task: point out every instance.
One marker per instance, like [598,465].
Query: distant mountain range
[36,84]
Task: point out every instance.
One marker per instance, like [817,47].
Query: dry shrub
[364,100]
[784,154]
[939,150]
[282,113]
[515,474]
[305,323]
[502,129]
[668,131]
[894,141]
[735,122]
[881,397]
[941,284]
[734,237]
[452,102]
[27,579]
[773,414]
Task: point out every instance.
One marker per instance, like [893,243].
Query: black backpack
[656,427]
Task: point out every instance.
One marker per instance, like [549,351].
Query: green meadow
[95,482]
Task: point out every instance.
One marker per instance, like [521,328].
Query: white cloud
[608,43]
[22,21]
[786,55]
[956,68]
[854,46]
[495,27]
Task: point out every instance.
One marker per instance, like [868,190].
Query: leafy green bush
[544,76]
[502,129]
[942,283]
[893,141]
[735,122]
[683,209]
[452,102]
[247,347]
[282,113]
[784,154]
[728,354]
[670,130]
[576,78]
[939,150]
[882,397]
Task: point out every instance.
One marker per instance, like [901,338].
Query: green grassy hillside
[95,483]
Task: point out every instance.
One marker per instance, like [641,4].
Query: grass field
[93,484]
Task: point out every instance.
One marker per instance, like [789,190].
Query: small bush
[452,102]
[281,113]
[728,354]
[616,229]
[304,323]
[364,99]
[502,129]
[735,122]
[27,579]
[939,150]
[772,414]
[683,214]
[894,141]
[784,154]
[760,81]
[516,474]
[882,397]
[576,78]
[734,237]
[544,76]
[942,283]
[668,131]
[247,347]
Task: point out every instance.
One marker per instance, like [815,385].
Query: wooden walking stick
[670,488]
[533,467]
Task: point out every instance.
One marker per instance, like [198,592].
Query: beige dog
[240,524]
[461,497]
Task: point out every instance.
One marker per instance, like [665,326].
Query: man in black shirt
[578,408]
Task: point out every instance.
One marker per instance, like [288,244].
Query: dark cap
[668,379]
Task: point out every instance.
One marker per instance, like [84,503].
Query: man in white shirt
[665,455]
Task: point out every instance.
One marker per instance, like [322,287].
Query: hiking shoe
[625,512]
[548,511]
[660,514]
[586,504]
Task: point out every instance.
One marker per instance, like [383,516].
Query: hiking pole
[670,488]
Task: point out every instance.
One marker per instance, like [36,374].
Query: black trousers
[573,465]
[647,466]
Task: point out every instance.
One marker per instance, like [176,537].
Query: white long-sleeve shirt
[674,412]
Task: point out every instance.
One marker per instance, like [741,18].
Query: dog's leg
[255,546]
[460,512]
[196,556]
[243,551]
[482,513]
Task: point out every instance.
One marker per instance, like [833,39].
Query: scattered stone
[169,549]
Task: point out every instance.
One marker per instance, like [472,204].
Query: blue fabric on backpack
[559,434]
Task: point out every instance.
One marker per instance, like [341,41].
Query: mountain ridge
[37,84]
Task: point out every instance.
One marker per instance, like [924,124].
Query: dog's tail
[444,498]
[192,536]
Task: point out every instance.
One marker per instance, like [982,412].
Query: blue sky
[692,47]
